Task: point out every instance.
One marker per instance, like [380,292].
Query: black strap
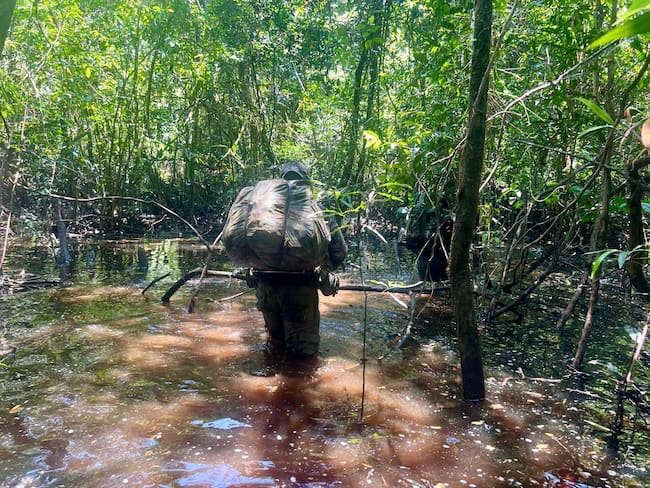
[287,277]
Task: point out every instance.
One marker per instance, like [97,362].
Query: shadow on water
[109,388]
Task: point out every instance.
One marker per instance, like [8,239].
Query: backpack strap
[286,224]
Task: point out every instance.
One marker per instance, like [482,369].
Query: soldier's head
[293,170]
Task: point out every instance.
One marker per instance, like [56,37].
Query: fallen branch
[407,331]
[154,282]
[524,294]
[585,392]
[195,293]
[191,274]
[568,310]
[395,289]
[406,289]
[236,295]
[537,378]
[28,284]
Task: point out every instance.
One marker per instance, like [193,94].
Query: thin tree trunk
[353,131]
[467,200]
[601,227]
[568,310]
[623,104]
[599,230]
[5,242]
[381,15]
[61,233]
[634,265]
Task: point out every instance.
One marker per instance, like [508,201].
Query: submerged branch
[191,274]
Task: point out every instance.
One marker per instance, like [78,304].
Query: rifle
[405,289]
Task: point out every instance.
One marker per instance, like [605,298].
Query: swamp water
[110,388]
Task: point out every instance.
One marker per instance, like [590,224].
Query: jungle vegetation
[528,119]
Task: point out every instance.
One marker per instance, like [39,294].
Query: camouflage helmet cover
[294,170]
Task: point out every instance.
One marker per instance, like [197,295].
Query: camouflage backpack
[276,225]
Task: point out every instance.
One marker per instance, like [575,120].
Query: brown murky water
[109,388]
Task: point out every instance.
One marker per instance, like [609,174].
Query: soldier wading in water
[279,230]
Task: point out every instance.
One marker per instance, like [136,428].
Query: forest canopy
[184,102]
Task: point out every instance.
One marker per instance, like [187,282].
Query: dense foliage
[184,101]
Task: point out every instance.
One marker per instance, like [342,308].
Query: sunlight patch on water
[98,332]
[77,294]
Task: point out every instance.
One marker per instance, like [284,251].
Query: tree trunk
[353,130]
[568,310]
[597,238]
[467,199]
[61,234]
[601,227]
[381,14]
[634,265]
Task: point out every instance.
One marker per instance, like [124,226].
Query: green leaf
[372,139]
[394,184]
[622,256]
[636,6]
[618,204]
[593,129]
[599,260]
[388,196]
[645,207]
[629,28]
[597,110]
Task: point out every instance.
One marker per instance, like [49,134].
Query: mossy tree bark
[467,199]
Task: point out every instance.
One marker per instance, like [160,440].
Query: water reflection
[213,476]
[116,389]
[130,261]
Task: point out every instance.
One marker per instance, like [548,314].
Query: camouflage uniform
[431,244]
[289,301]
